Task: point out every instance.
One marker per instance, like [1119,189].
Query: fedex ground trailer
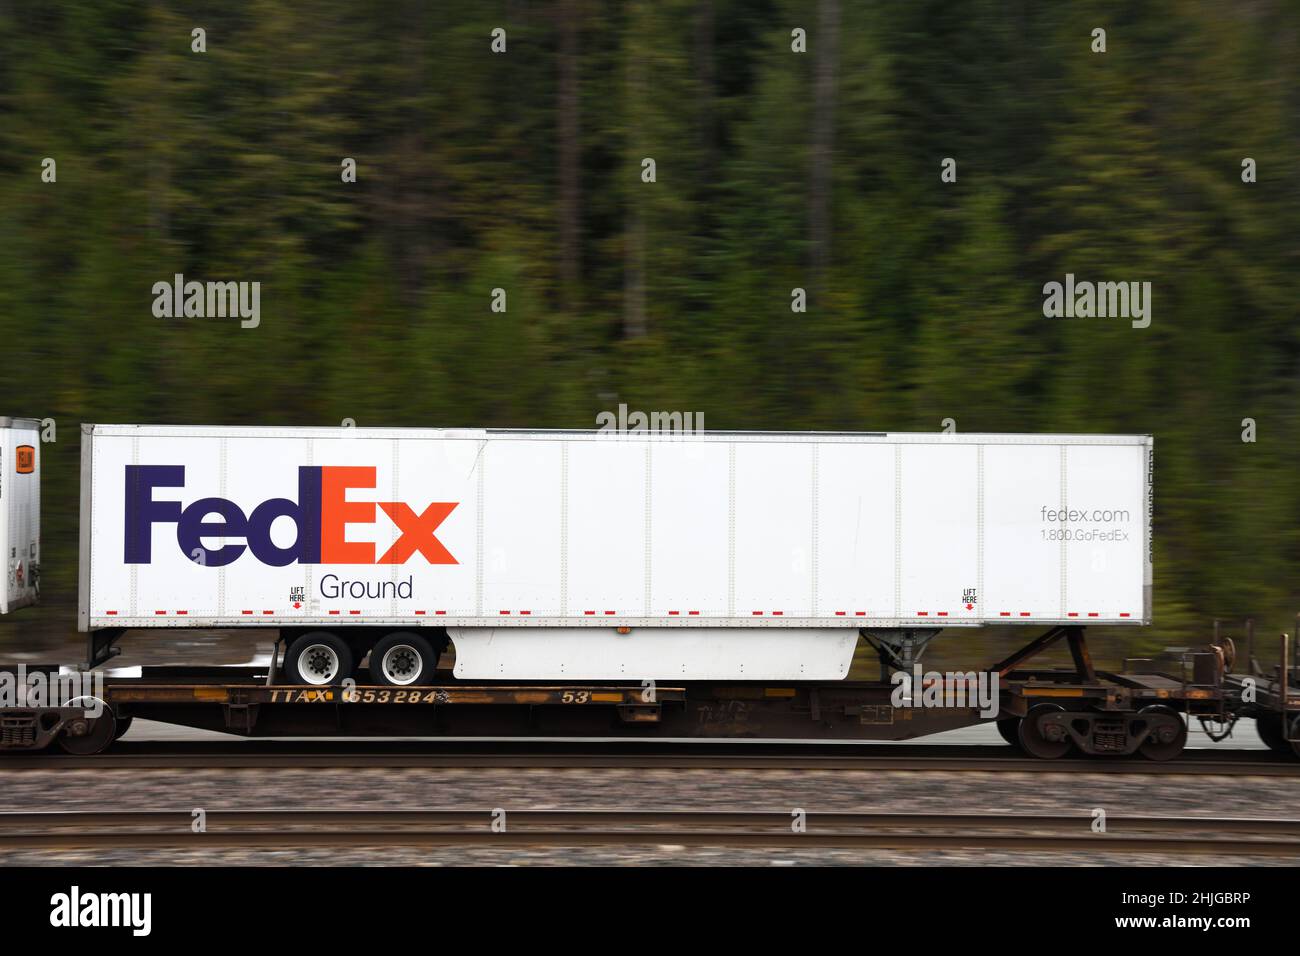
[544,555]
[712,585]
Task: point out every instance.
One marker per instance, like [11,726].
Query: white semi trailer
[554,555]
[710,585]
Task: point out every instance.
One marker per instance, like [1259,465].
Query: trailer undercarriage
[1046,712]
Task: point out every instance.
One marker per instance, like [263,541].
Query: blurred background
[821,170]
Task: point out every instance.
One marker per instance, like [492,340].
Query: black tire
[320,659]
[1009,728]
[403,659]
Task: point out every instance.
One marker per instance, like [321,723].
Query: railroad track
[157,829]
[279,755]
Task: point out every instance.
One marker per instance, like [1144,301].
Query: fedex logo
[321,515]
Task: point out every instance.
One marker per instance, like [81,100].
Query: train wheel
[1165,743]
[318,658]
[1040,742]
[1269,728]
[96,733]
[403,659]
[1009,728]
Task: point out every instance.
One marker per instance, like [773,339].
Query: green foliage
[376,294]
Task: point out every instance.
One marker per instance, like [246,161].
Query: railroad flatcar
[709,584]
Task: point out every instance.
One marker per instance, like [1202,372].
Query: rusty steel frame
[251,702]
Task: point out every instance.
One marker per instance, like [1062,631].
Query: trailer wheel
[1165,744]
[403,659]
[96,732]
[1045,743]
[318,658]
[1009,728]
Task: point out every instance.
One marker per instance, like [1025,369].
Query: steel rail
[11,820]
[298,828]
[987,760]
